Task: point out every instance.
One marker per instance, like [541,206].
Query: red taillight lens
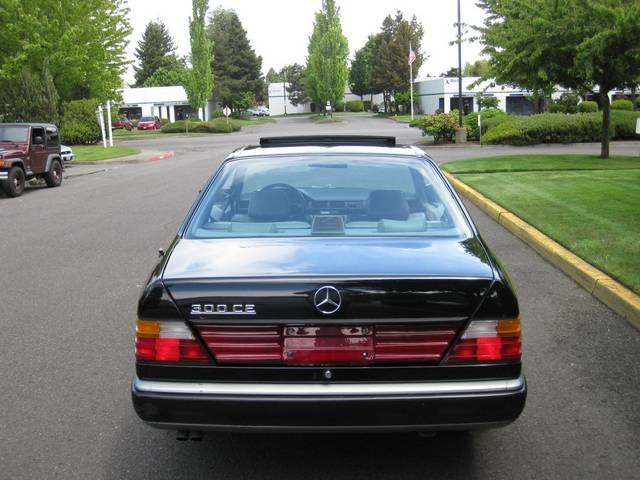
[328,345]
[488,341]
[167,341]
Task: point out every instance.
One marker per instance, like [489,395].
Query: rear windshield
[147,119]
[330,195]
[14,134]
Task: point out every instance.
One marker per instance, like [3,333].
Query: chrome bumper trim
[4,175]
[331,389]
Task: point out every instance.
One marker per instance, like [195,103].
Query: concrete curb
[610,292]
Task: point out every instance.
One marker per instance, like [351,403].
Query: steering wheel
[298,199]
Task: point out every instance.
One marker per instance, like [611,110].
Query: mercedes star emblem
[327,300]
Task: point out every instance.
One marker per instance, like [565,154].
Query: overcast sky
[279,30]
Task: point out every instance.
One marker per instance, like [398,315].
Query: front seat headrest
[389,204]
[273,205]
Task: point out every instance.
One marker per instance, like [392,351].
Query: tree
[31,97]
[295,76]
[167,76]
[360,74]
[199,79]
[582,45]
[83,41]
[155,50]
[238,69]
[327,70]
[480,68]
[390,71]
[451,73]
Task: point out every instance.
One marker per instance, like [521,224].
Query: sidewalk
[79,168]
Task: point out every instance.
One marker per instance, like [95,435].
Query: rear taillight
[167,341]
[488,341]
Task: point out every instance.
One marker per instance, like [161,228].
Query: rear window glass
[331,195]
[147,119]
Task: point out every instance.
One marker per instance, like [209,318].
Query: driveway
[72,265]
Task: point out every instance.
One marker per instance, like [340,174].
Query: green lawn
[124,134]
[527,163]
[405,118]
[95,153]
[595,214]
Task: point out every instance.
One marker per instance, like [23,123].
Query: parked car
[328,284]
[66,153]
[259,111]
[122,123]
[149,123]
[28,151]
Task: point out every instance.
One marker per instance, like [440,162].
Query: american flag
[412,55]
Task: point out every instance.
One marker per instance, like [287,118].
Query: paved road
[72,263]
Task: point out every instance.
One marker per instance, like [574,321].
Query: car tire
[53,177]
[13,186]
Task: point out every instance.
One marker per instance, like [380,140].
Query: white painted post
[109,123]
[101,122]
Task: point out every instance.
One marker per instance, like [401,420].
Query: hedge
[470,121]
[588,106]
[79,123]
[218,125]
[558,128]
[442,126]
[355,106]
[622,105]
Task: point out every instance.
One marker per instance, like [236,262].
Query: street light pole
[284,90]
[459,69]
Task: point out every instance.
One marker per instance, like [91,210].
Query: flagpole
[411,81]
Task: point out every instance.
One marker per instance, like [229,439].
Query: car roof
[327,145]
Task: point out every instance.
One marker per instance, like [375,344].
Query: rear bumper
[425,406]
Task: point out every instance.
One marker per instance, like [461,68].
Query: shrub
[638,102]
[79,124]
[355,106]
[470,121]
[442,126]
[622,105]
[367,105]
[588,106]
[375,108]
[218,125]
[217,113]
[567,103]
[624,124]
[339,106]
[164,121]
[489,102]
[560,128]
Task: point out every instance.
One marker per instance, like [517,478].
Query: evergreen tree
[327,71]
[155,50]
[199,79]
[238,70]
[32,97]
[390,70]
[360,73]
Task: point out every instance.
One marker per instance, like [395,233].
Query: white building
[442,94]
[278,98]
[164,102]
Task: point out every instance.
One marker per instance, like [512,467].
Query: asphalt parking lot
[72,265]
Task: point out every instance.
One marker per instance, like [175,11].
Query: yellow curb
[610,292]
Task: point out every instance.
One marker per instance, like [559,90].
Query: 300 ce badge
[223,309]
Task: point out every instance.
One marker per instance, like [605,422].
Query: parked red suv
[27,151]
[149,123]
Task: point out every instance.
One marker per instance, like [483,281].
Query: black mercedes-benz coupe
[328,284]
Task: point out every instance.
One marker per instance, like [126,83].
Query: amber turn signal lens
[147,329]
[508,328]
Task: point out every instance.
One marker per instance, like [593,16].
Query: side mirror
[38,140]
